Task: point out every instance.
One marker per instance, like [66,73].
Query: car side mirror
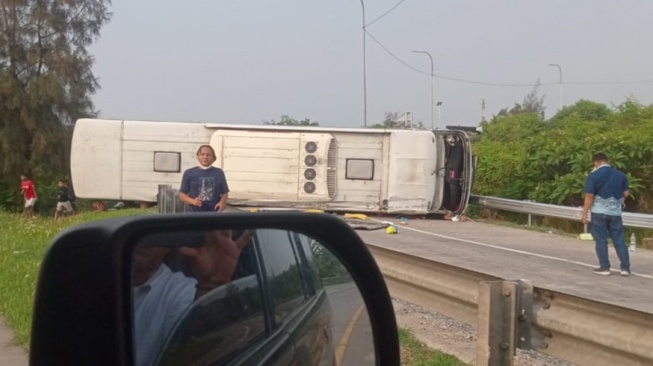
[207,289]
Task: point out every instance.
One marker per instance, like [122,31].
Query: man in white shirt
[160,297]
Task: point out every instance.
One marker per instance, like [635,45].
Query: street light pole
[439,105]
[559,81]
[432,109]
[364,69]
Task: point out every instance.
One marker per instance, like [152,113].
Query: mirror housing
[83,311]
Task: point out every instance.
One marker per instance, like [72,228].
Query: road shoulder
[10,354]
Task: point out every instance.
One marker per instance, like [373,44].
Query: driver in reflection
[161,295]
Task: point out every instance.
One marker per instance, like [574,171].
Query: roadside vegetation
[415,353]
[523,156]
[46,84]
[23,243]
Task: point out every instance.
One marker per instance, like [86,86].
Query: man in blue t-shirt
[605,191]
[204,188]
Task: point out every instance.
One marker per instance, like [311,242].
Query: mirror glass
[257,296]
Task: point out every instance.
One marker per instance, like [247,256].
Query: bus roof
[301,128]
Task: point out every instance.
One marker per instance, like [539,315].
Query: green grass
[22,245]
[414,353]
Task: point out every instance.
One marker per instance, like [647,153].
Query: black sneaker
[602,271]
[625,272]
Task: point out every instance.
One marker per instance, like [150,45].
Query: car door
[285,291]
[298,314]
[225,326]
[273,303]
[312,333]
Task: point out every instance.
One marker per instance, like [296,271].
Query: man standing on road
[605,191]
[29,193]
[204,188]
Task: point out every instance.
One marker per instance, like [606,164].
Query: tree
[583,111]
[523,157]
[509,128]
[391,121]
[46,82]
[287,121]
[532,103]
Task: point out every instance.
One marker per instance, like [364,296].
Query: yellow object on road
[356,216]
[391,230]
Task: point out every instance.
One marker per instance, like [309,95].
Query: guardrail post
[168,200]
[505,312]
[530,216]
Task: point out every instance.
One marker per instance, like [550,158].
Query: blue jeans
[603,225]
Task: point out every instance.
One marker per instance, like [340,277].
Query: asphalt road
[352,330]
[557,262]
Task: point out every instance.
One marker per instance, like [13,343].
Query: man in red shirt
[29,192]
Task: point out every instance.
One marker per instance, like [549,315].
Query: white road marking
[513,250]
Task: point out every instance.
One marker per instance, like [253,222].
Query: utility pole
[364,69]
[432,99]
[483,110]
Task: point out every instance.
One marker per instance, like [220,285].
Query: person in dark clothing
[63,200]
[204,187]
[605,191]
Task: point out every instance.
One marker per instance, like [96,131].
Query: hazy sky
[246,61]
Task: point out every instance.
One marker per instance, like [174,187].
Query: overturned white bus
[334,169]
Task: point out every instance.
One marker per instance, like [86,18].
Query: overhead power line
[395,56]
[519,85]
[386,49]
[607,82]
[384,14]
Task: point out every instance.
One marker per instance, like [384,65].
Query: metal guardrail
[514,314]
[563,212]
[441,287]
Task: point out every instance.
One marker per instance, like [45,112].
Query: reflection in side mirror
[258,296]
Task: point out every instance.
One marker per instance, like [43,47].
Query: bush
[523,157]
